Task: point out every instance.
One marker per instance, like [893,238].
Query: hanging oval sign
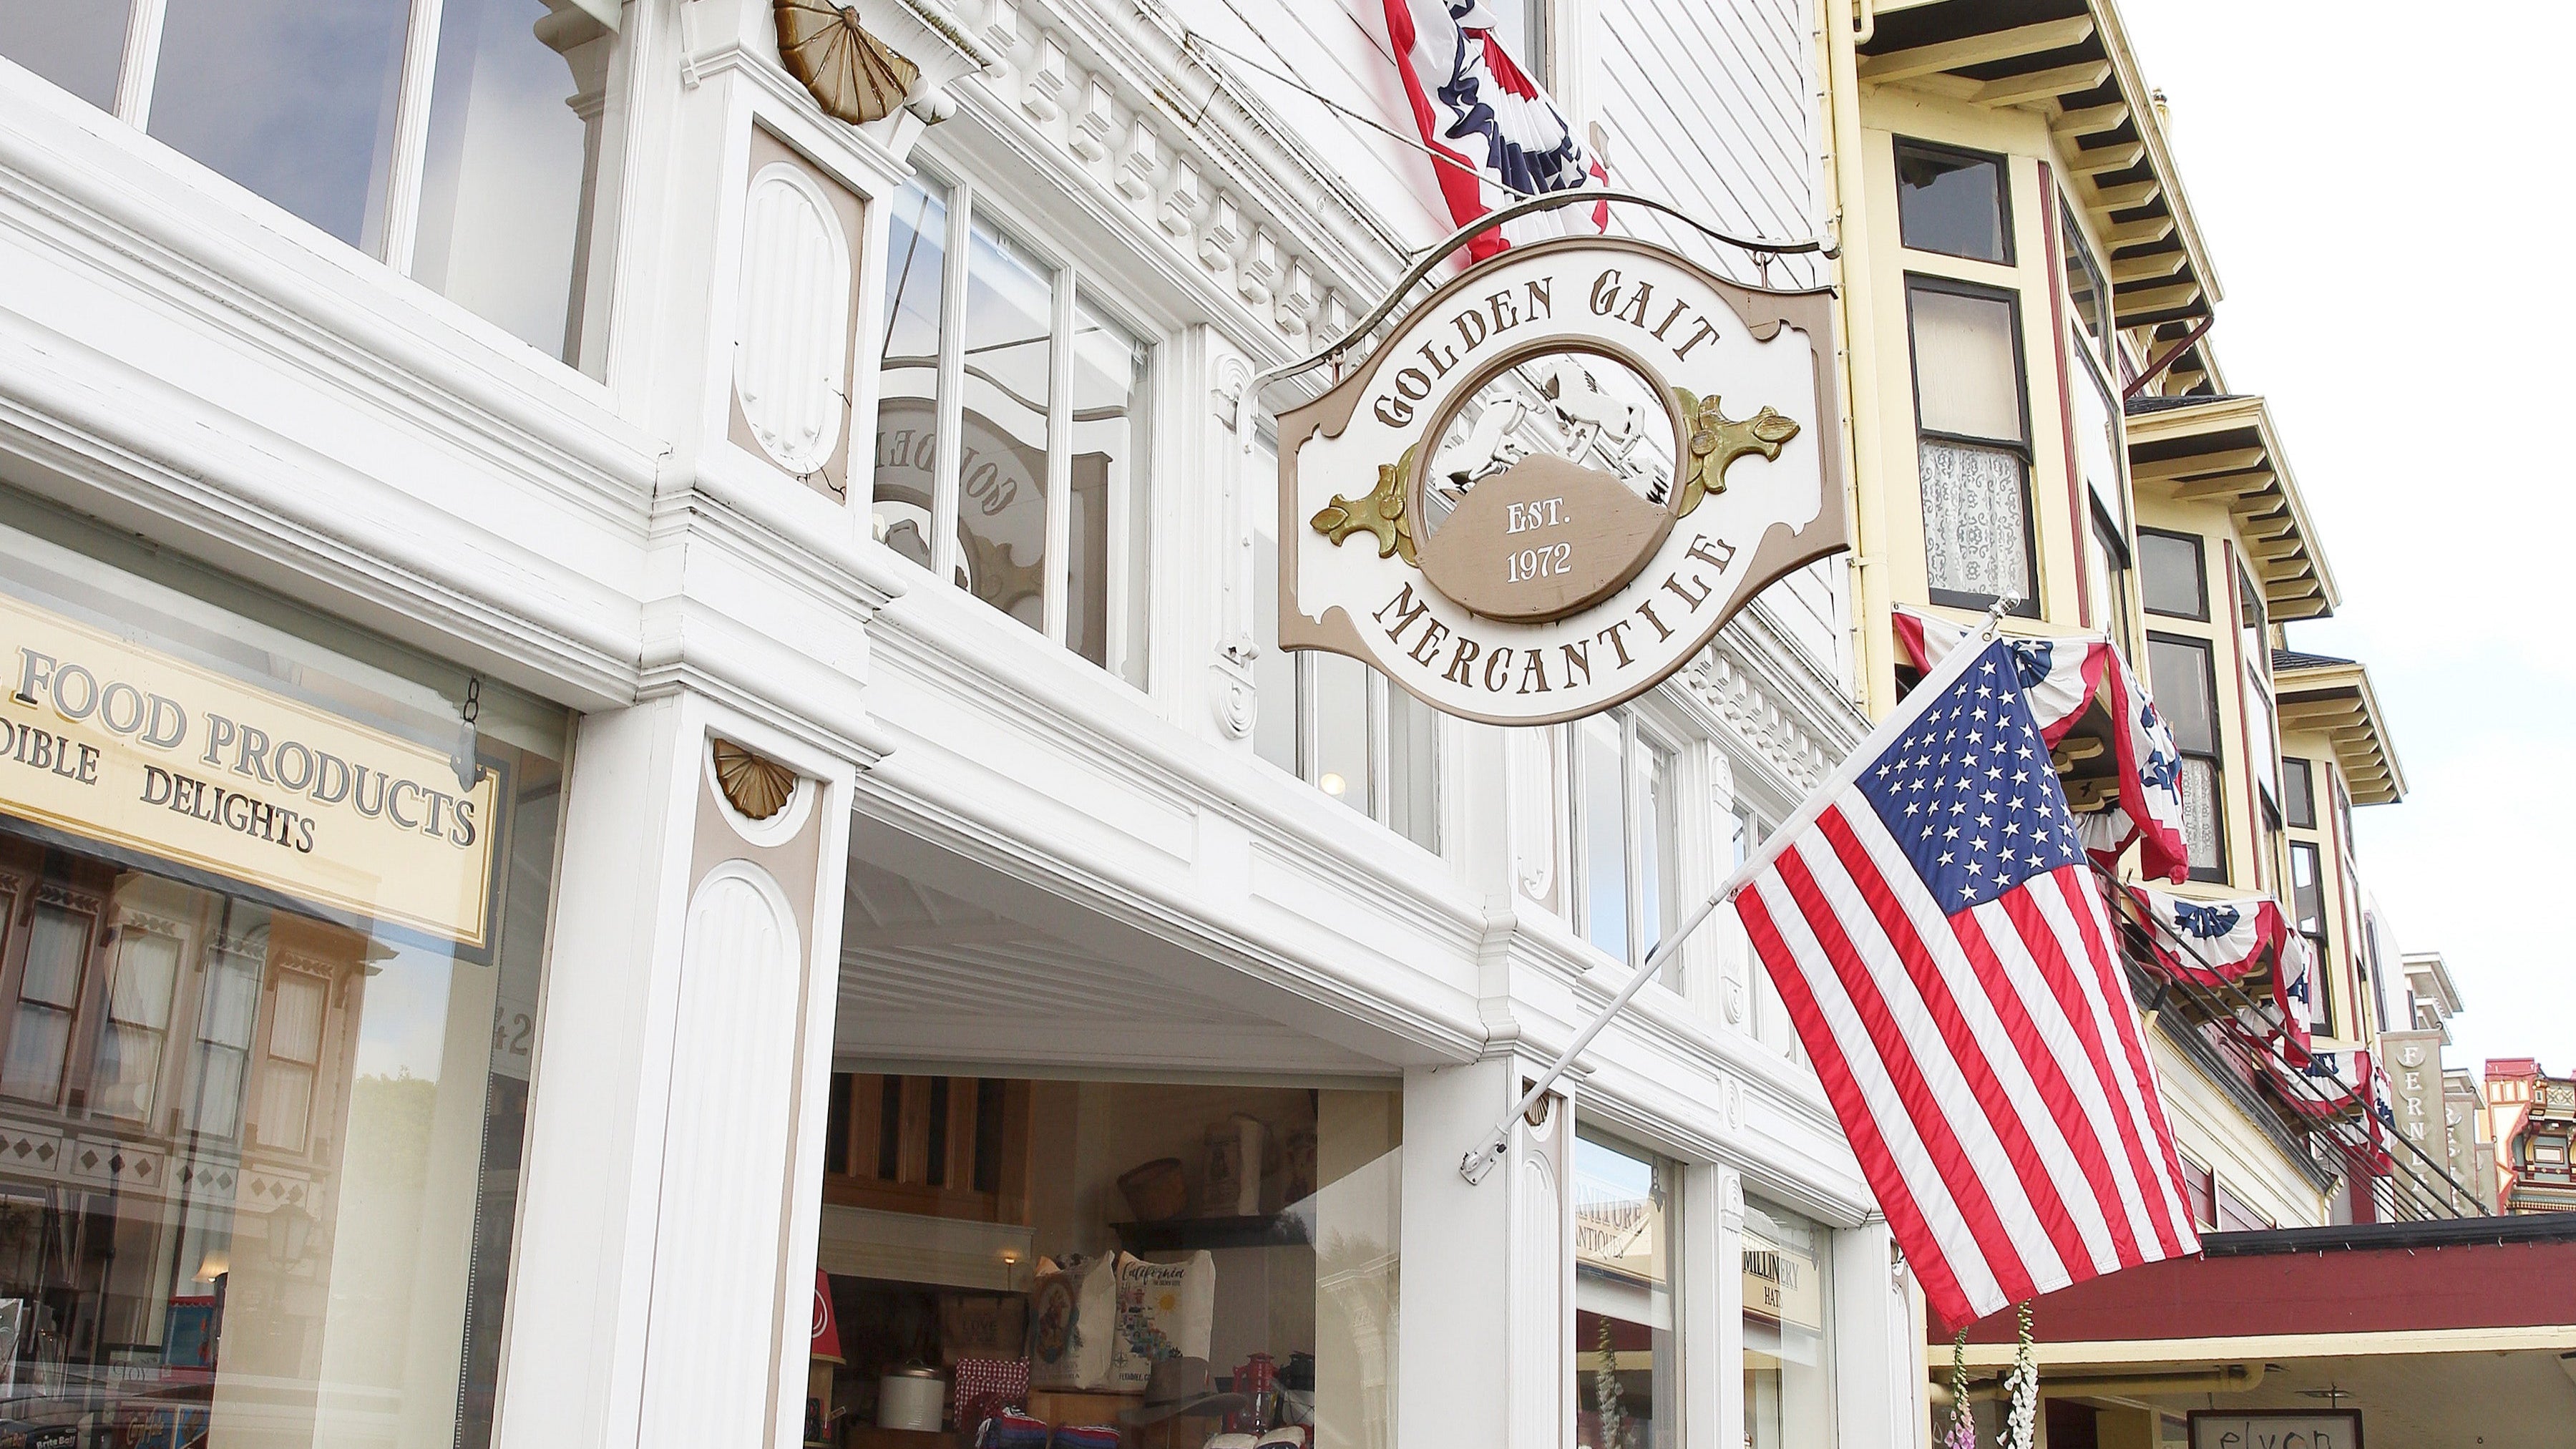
[1558,477]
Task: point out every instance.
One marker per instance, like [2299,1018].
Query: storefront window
[1788,1293]
[271,970]
[1191,1259]
[1627,1366]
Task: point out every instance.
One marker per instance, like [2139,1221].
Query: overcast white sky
[2384,200]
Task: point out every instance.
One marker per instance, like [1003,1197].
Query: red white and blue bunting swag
[1493,132]
[2060,676]
[2223,941]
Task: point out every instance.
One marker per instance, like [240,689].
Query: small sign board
[107,740]
[1558,476]
[2276,1429]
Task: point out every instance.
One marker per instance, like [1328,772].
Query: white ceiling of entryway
[948,962]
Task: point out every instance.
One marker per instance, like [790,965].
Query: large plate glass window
[1329,720]
[2186,688]
[1007,384]
[1953,202]
[1088,1229]
[273,1142]
[1621,808]
[1973,443]
[1627,1360]
[456,142]
[1788,1329]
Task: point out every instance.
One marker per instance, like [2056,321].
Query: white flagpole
[1481,1160]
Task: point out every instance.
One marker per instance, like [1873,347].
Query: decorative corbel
[1098,118]
[1181,203]
[1216,240]
[1144,157]
[1048,81]
[1259,270]
[1001,33]
[1296,300]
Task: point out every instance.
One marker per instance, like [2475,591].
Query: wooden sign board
[1558,477]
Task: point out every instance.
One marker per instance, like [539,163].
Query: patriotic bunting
[1493,131]
[2065,674]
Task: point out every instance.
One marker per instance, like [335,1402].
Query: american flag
[1494,134]
[1934,928]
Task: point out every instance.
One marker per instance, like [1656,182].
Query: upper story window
[2263,741]
[1521,25]
[2088,289]
[1973,427]
[2172,579]
[2109,561]
[1006,386]
[2308,918]
[1954,202]
[449,141]
[2298,793]
[1333,721]
[2186,688]
[1622,815]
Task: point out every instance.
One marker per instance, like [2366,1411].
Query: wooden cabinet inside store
[947,1147]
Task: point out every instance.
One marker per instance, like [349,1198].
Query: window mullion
[1380,796]
[951,387]
[411,134]
[142,63]
[1059,459]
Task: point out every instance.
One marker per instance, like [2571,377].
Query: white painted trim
[2255,1347]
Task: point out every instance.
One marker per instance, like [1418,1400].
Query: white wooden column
[663,1273]
[1487,1299]
[1880,1393]
[1712,1301]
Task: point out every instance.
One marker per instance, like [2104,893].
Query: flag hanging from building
[1494,134]
[1948,961]
[2065,674]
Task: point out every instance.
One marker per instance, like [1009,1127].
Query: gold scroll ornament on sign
[109,741]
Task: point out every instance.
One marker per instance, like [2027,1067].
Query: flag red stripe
[2073,1000]
[1940,1003]
[1931,1123]
[1905,1218]
[1462,183]
[2073,1123]
[2113,984]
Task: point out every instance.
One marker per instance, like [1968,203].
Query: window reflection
[501,190]
[1109,506]
[1627,1365]
[1788,1382]
[293,100]
[76,46]
[908,387]
[1002,463]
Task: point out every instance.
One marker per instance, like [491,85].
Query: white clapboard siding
[1711,105]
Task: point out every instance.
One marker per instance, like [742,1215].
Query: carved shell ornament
[757,787]
[853,75]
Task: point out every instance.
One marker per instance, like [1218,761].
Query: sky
[2383,200]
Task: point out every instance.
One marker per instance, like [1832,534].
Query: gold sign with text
[107,740]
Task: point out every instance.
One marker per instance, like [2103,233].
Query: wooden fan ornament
[852,74]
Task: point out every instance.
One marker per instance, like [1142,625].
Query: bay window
[2172,579]
[1007,386]
[1621,816]
[2186,689]
[2298,793]
[454,140]
[1973,443]
[2263,742]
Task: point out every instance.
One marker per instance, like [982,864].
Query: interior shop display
[1109,1265]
